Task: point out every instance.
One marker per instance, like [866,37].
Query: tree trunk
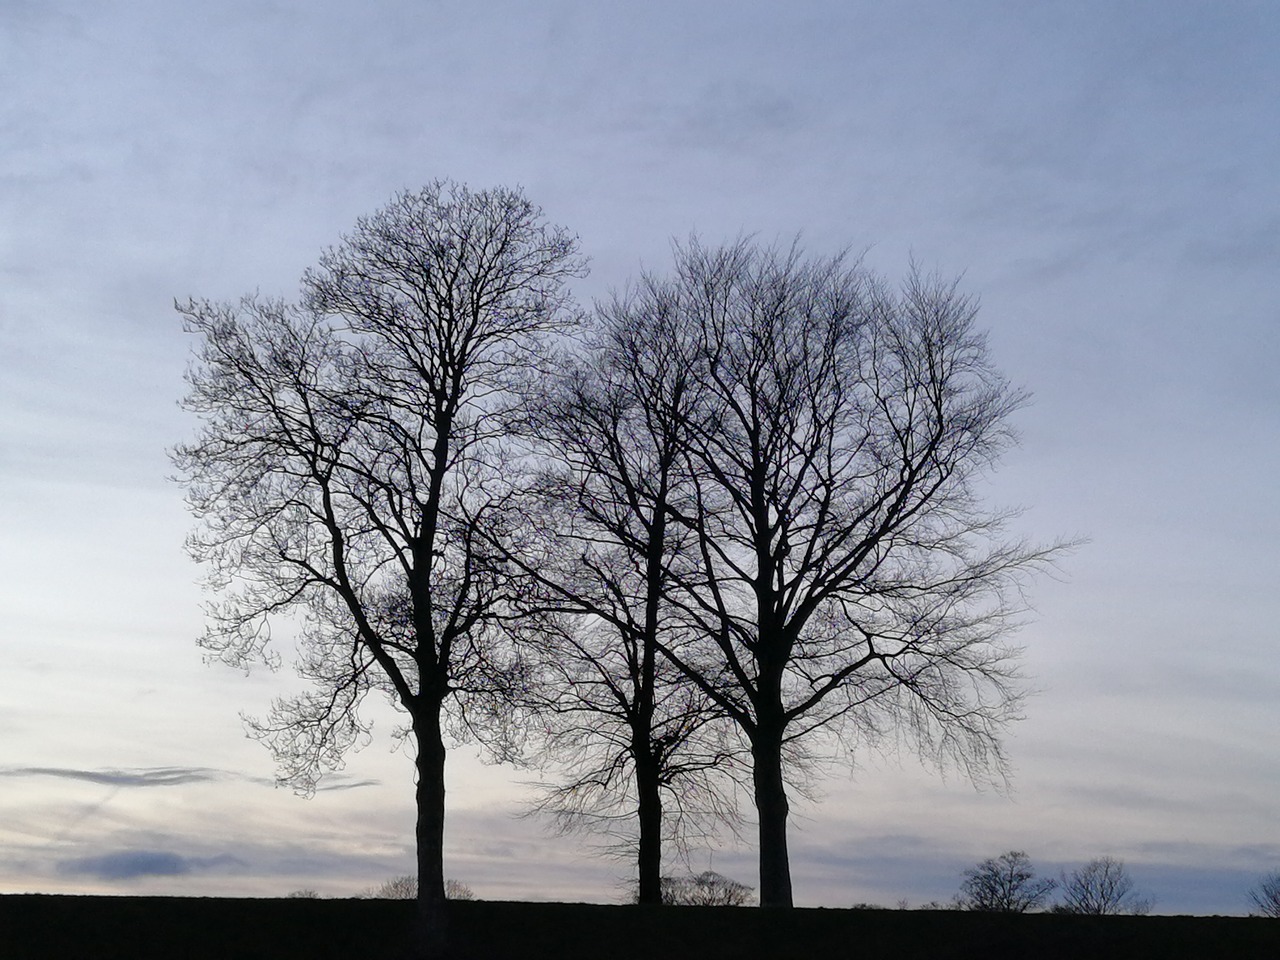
[771,810]
[649,810]
[648,773]
[430,933]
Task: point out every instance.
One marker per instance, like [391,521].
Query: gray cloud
[164,777]
[130,864]
[146,777]
[354,784]
[730,115]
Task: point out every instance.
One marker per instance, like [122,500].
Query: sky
[1104,177]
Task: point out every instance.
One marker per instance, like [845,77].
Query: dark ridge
[33,927]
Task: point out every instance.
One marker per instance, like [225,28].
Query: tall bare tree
[637,743]
[848,583]
[347,465]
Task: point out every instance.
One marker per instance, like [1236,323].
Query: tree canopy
[733,521]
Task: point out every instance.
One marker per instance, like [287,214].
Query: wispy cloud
[145,777]
[163,777]
[348,786]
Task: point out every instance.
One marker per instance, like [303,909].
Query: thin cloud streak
[156,777]
[354,785]
[166,777]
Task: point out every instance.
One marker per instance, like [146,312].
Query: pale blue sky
[1103,174]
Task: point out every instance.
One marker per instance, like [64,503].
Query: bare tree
[642,752]
[1004,884]
[848,584]
[1101,887]
[636,758]
[1265,896]
[457,890]
[346,471]
[706,889]
[405,887]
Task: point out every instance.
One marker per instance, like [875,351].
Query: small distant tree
[707,889]
[1265,896]
[397,888]
[457,890]
[1004,884]
[305,894]
[406,888]
[1101,887]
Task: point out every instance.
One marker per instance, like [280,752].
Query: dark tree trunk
[430,933]
[648,763]
[771,810]
[649,810]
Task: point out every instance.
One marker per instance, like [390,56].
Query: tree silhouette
[347,467]
[637,743]
[706,889]
[1101,887]
[845,581]
[1265,896]
[1005,884]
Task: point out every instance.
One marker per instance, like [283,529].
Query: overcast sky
[1105,175]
